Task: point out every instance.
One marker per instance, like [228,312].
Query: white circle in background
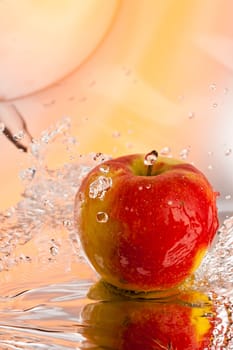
[42,41]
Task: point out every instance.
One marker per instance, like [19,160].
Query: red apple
[145,223]
[150,325]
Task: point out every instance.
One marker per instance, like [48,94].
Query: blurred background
[131,75]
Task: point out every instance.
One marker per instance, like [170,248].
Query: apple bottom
[127,324]
[138,268]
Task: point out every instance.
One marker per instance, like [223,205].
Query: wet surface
[45,280]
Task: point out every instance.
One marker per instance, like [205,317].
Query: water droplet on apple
[104,168]
[148,186]
[228,196]
[99,260]
[102,217]
[184,153]
[228,152]
[140,188]
[165,151]
[215,105]
[170,202]
[142,271]
[2,127]
[99,187]
[124,261]
[150,158]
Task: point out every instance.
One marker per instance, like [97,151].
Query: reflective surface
[48,299]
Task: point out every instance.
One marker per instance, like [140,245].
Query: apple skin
[150,325]
[145,233]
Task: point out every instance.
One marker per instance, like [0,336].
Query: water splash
[46,316]
[47,203]
[216,271]
[99,187]
[228,152]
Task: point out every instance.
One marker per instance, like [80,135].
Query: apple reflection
[126,324]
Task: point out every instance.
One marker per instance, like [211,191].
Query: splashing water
[44,276]
[99,187]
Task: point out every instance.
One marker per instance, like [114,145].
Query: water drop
[2,127]
[99,187]
[184,153]
[124,261]
[47,203]
[67,223]
[148,186]
[142,271]
[104,168]
[170,202]
[101,217]
[116,134]
[215,105]
[150,158]
[228,196]
[140,188]
[129,145]
[191,115]
[27,174]
[99,157]
[165,151]
[99,260]
[81,197]
[19,135]
[92,83]
[54,250]
[210,167]
[212,86]
[228,152]
[128,72]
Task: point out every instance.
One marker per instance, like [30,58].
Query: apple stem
[149,170]
[149,160]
